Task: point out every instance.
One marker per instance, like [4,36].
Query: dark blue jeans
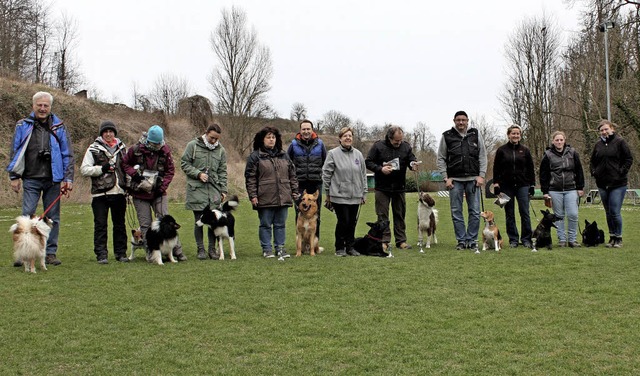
[520,194]
[32,189]
[612,201]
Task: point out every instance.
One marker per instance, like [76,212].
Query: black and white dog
[222,223]
[162,237]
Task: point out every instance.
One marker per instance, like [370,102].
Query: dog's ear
[304,192]
[586,223]
[133,231]
[371,224]
[316,194]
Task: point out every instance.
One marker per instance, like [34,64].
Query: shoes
[403,245]
[563,244]
[460,246]
[17,263]
[52,260]
[352,252]
[103,261]
[618,242]
[472,245]
[201,255]
[527,245]
[122,259]
[282,254]
[574,245]
[214,255]
[612,241]
[181,257]
[268,254]
[513,245]
[341,252]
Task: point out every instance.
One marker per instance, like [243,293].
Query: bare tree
[67,74]
[167,92]
[332,121]
[532,54]
[423,139]
[298,112]
[240,80]
[41,34]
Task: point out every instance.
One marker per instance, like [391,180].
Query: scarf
[209,145]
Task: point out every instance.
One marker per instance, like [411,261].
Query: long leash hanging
[132,220]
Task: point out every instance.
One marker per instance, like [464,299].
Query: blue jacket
[62,167]
[308,157]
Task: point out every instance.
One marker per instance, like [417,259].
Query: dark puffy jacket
[308,157]
[160,161]
[381,152]
[610,162]
[561,170]
[513,166]
[271,177]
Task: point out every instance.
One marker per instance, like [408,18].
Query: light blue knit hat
[155,135]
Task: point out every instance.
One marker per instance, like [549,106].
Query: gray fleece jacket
[344,176]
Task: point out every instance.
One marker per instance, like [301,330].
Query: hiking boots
[214,255]
[103,261]
[201,255]
[52,260]
[341,252]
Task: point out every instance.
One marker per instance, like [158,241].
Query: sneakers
[403,245]
[461,246]
[513,245]
[201,255]
[574,245]
[612,241]
[472,246]
[563,244]
[282,254]
[17,263]
[103,261]
[268,254]
[618,242]
[122,259]
[52,260]
[352,252]
[341,252]
[527,245]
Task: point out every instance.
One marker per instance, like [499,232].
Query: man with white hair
[42,165]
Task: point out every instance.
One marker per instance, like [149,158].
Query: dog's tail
[230,204]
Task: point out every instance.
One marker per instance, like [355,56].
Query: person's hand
[364,201]
[66,187]
[107,167]
[448,182]
[580,193]
[414,165]
[203,177]
[159,192]
[479,181]
[387,169]
[532,191]
[254,201]
[137,178]
[496,190]
[296,196]
[15,185]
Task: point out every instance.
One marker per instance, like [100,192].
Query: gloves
[532,191]
[107,167]
[496,190]
[137,178]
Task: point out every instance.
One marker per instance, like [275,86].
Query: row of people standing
[462,162]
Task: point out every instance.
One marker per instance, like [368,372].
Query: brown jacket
[271,177]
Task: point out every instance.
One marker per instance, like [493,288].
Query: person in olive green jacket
[204,161]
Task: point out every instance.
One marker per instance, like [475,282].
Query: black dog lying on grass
[371,245]
[592,236]
[542,235]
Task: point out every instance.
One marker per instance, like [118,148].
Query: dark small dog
[542,235]
[371,245]
[592,236]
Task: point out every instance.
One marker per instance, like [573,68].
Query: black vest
[463,153]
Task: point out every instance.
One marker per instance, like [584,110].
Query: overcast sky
[398,62]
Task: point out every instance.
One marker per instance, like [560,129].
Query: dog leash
[132,220]
[51,205]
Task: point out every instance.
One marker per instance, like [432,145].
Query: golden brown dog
[491,233]
[306,239]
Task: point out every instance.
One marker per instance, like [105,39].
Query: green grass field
[565,311]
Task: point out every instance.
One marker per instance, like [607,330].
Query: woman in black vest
[513,174]
[102,163]
[562,183]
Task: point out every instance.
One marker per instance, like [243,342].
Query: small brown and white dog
[30,236]
[427,220]
[306,239]
[137,241]
[491,233]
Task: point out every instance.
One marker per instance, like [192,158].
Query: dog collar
[372,238]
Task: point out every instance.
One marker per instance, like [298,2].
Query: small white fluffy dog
[427,220]
[30,236]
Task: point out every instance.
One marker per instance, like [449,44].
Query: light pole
[604,27]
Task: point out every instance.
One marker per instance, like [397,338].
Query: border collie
[30,236]
[222,223]
[162,237]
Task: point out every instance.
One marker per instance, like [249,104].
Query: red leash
[51,205]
